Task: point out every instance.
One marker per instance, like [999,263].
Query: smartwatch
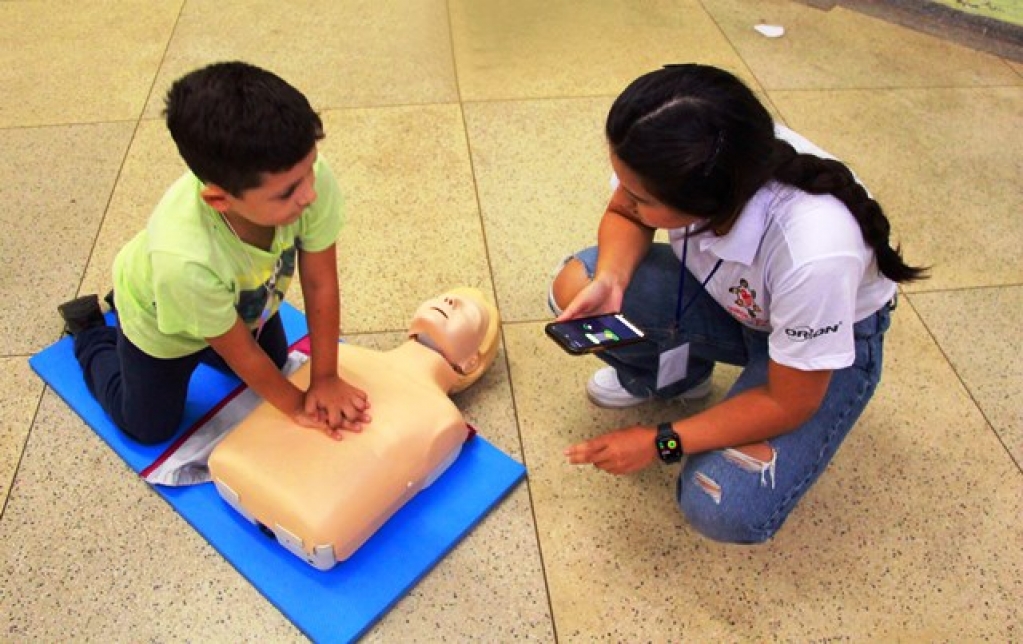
[669,445]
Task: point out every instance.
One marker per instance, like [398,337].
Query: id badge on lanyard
[673,364]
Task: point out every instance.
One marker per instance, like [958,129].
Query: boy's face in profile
[278,201]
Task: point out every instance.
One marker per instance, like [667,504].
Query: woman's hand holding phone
[599,296]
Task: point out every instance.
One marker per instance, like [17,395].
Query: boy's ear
[215,197]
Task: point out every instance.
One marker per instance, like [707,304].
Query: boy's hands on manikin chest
[335,405]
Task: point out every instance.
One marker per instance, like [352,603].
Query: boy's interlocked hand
[335,405]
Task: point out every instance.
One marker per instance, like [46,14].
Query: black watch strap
[668,443]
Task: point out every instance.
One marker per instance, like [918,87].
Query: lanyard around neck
[680,309]
[270,286]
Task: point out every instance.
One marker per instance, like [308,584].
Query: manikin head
[462,326]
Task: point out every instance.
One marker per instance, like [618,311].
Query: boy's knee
[151,431]
[280,358]
[571,279]
[147,437]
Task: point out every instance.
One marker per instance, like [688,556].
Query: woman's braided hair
[703,144]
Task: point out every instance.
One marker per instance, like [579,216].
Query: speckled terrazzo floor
[467,137]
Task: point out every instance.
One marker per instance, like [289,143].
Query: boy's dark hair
[233,122]
[703,144]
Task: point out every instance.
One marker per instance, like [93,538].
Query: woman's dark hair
[703,144]
[233,121]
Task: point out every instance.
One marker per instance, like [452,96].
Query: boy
[204,280]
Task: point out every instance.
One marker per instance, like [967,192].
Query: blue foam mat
[333,606]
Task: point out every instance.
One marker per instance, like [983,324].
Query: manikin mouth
[440,311]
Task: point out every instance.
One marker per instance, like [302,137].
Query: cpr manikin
[322,498]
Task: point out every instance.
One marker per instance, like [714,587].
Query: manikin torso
[316,493]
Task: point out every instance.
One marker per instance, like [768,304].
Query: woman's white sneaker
[605,390]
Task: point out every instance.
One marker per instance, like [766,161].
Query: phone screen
[586,335]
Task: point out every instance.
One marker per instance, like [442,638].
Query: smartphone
[596,333]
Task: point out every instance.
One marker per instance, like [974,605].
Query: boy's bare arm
[321,292]
[250,363]
[330,397]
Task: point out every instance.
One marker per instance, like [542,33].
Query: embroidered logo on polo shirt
[805,333]
[745,302]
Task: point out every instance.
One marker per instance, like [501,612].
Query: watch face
[669,449]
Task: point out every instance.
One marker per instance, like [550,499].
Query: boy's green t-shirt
[186,276]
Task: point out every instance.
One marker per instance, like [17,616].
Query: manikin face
[279,200]
[632,198]
[454,326]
